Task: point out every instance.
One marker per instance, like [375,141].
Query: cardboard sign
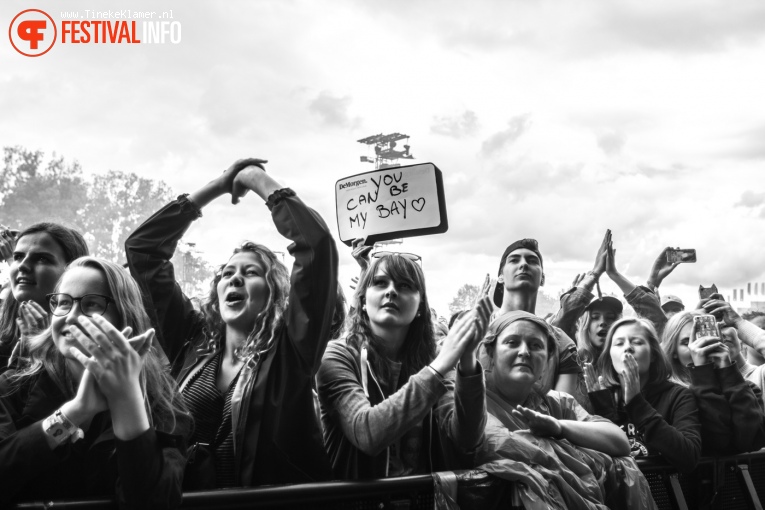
[404,201]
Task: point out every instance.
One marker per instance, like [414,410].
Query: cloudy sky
[553,120]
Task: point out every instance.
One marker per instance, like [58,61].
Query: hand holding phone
[707,292]
[706,342]
[676,255]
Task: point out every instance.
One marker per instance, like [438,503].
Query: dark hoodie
[663,419]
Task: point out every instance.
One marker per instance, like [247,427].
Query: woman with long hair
[730,411]
[580,460]
[389,404]
[90,411]
[593,327]
[636,392]
[245,363]
[38,260]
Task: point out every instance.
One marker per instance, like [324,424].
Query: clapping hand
[591,380]
[630,378]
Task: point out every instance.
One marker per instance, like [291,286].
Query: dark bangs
[403,270]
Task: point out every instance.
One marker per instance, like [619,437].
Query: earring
[542,282]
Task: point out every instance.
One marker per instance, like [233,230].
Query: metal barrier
[725,483]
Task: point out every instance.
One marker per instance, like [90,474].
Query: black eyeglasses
[410,256]
[90,304]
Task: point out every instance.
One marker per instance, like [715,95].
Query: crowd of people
[113,383]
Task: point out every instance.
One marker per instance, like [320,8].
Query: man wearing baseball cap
[671,305]
[520,275]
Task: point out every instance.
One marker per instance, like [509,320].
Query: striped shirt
[212,417]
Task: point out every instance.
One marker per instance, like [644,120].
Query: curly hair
[269,320]
[419,348]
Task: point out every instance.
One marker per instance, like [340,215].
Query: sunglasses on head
[410,256]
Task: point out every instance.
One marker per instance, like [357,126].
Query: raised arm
[313,283]
[461,413]
[748,333]
[574,302]
[643,300]
[150,248]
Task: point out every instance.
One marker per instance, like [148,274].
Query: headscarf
[501,322]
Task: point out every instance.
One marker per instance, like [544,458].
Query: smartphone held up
[681,255]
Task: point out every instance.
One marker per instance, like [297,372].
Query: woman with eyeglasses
[245,363]
[390,405]
[90,410]
[38,256]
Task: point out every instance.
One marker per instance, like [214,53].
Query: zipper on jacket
[365,368]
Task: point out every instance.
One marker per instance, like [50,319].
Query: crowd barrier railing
[724,483]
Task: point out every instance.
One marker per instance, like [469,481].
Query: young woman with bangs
[635,391]
[390,404]
[89,411]
[730,408]
[246,362]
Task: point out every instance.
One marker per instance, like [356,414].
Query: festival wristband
[60,428]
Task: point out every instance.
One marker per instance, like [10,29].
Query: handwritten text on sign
[389,200]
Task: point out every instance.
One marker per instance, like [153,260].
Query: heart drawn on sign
[420,202]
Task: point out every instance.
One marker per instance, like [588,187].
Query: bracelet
[60,428]
[439,374]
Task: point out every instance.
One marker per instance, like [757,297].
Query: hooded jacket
[663,417]
[360,423]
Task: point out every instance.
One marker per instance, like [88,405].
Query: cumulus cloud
[516,128]
[333,110]
[458,126]
[753,200]
[611,142]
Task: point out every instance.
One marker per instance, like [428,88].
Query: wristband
[439,374]
[61,429]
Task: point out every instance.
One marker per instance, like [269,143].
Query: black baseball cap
[529,244]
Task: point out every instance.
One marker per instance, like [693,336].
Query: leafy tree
[465,298]
[192,272]
[30,192]
[117,203]
[105,209]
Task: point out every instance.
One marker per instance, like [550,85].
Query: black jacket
[145,472]
[277,436]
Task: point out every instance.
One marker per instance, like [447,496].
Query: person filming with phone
[707,359]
